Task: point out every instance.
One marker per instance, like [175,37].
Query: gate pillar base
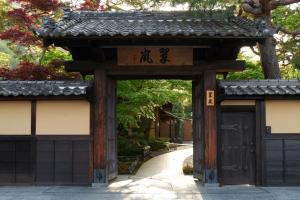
[99,176]
[211,185]
[210,176]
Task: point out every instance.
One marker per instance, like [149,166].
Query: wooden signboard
[156,56]
[210,97]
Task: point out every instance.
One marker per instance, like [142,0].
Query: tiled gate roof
[217,24]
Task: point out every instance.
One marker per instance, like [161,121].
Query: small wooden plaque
[156,56]
[210,98]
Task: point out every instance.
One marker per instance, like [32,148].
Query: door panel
[237,147]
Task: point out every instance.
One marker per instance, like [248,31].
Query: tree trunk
[269,59]
[267,48]
[148,126]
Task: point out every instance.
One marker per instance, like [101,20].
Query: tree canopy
[139,98]
[283,16]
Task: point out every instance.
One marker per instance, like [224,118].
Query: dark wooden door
[112,154]
[237,147]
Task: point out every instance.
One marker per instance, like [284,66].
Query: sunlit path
[165,166]
[161,175]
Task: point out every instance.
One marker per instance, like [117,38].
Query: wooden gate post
[111,130]
[100,126]
[198,135]
[210,127]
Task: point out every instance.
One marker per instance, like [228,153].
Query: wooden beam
[91,145]
[210,127]
[33,117]
[100,126]
[116,41]
[88,67]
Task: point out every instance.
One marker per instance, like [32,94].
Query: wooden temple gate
[204,109]
[199,50]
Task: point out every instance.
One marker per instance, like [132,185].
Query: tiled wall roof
[260,88]
[43,88]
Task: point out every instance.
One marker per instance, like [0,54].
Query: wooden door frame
[257,126]
[260,115]
[99,166]
[207,123]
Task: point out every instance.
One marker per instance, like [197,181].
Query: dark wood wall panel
[273,162]
[16,160]
[24,162]
[292,161]
[80,162]
[7,162]
[63,161]
[45,161]
[282,159]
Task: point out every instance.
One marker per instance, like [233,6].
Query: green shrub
[131,145]
[157,144]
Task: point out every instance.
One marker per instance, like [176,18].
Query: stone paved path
[138,189]
[165,166]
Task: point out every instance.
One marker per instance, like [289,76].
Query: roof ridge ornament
[262,26]
[67,13]
[48,23]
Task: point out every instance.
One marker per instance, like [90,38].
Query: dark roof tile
[259,87]
[139,23]
[43,88]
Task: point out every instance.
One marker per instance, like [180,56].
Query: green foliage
[289,46]
[4,59]
[139,98]
[7,56]
[56,54]
[157,144]
[287,17]
[289,72]
[131,145]
[205,5]
[4,8]
[253,71]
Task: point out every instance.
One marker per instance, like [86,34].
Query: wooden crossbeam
[112,69]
